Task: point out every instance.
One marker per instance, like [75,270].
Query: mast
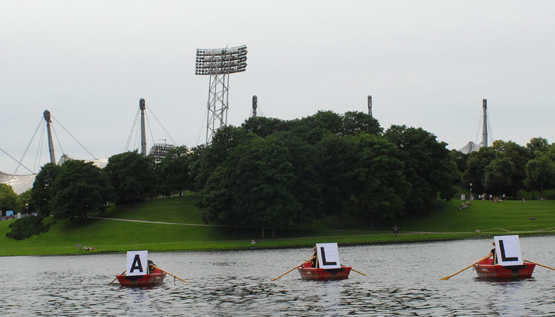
[485,123]
[46,115]
[254,105]
[142,106]
[369,105]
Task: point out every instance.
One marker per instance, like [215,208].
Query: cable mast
[485,123]
[254,105]
[48,120]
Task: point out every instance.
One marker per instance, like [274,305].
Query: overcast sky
[426,64]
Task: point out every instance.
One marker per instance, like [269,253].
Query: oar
[291,270]
[450,276]
[358,272]
[169,273]
[536,263]
[116,278]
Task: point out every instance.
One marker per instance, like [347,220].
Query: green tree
[540,173]
[497,177]
[476,168]
[538,145]
[354,122]
[132,176]
[335,165]
[8,198]
[428,166]
[224,141]
[255,187]
[42,190]
[379,186]
[79,189]
[173,171]
[519,156]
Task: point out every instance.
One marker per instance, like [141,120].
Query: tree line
[271,173]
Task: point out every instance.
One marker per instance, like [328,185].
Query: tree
[354,122]
[173,171]
[497,177]
[132,176]
[224,141]
[476,168]
[538,145]
[335,167]
[254,187]
[42,190]
[428,166]
[78,189]
[8,198]
[379,186]
[519,156]
[540,173]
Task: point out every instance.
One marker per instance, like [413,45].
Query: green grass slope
[176,224]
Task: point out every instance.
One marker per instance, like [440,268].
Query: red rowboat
[486,269]
[311,273]
[156,277]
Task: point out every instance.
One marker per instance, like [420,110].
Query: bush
[26,227]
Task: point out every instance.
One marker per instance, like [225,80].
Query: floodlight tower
[218,64]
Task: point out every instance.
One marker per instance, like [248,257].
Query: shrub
[26,227]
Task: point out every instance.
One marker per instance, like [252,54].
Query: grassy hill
[175,224]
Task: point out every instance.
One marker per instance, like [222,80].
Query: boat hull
[155,278]
[486,269]
[310,273]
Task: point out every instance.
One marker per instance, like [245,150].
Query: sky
[426,64]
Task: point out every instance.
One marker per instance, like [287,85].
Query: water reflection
[402,279]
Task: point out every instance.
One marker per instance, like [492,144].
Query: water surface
[403,280]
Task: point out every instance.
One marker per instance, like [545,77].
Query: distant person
[151,266]
[492,252]
[314,258]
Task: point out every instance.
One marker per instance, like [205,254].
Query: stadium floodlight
[218,64]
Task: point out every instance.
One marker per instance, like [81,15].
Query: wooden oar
[169,273]
[291,270]
[358,272]
[536,263]
[116,278]
[450,276]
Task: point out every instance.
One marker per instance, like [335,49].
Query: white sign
[137,262]
[328,255]
[507,250]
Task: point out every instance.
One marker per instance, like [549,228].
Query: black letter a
[136,264]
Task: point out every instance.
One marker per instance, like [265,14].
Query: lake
[403,280]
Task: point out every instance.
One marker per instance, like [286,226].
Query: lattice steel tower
[218,64]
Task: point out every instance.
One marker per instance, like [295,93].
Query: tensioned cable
[132,130]
[156,118]
[28,146]
[59,143]
[19,163]
[39,149]
[94,157]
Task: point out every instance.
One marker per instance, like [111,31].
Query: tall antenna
[218,64]
[485,123]
[48,120]
[369,105]
[254,105]
[142,106]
